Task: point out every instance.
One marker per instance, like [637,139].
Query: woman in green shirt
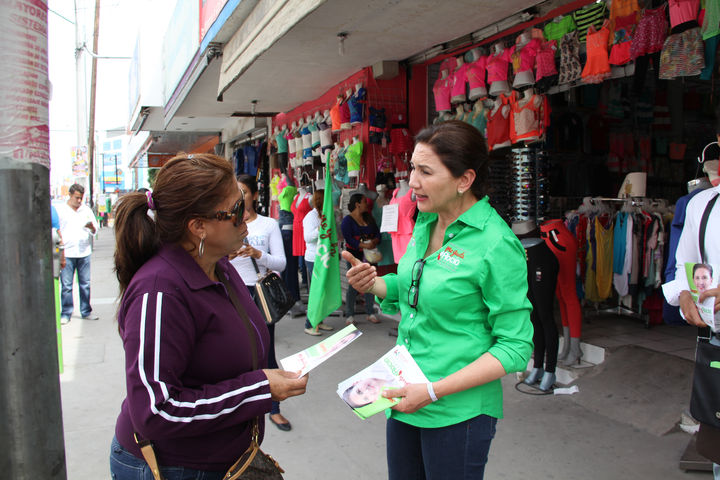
[461,289]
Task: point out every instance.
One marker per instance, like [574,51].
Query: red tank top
[498,126]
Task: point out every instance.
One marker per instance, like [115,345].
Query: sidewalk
[620,425]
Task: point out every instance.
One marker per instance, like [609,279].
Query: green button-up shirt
[472,299]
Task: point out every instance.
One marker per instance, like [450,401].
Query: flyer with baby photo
[362,391]
[313,356]
[701,277]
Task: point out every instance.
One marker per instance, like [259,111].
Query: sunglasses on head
[235,214]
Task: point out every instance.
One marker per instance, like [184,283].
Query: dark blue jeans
[126,466]
[457,451]
[82,265]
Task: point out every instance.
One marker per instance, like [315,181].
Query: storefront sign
[24,133]
[209,11]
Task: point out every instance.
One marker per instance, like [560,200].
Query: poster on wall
[78,157]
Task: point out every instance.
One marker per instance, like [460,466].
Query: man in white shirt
[77,225]
[677,292]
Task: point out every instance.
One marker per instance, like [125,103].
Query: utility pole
[31,433]
[93,88]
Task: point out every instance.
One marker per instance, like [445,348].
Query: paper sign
[389,221]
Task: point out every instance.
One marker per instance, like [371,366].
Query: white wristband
[431,392]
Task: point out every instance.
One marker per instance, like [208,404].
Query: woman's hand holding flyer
[375,388]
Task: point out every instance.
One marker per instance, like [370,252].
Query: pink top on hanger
[497,66]
[475,73]
[406,212]
[682,11]
[523,58]
[545,60]
[458,81]
[441,92]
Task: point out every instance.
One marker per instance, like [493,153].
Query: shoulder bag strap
[705,332]
[703,227]
[243,314]
[257,270]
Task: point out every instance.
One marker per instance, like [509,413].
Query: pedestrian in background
[311,232]
[461,289]
[191,331]
[77,227]
[360,233]
[263,248]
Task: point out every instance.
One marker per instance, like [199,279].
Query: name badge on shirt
[451,257]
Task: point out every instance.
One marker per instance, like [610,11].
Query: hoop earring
[201,246]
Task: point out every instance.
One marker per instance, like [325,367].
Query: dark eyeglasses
[236,214]
[415,283]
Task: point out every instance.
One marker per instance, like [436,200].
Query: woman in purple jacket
[191,386]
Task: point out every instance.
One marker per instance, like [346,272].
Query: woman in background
[264,246]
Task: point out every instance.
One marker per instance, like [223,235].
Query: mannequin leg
[575,354]
[534,376]
[539,352]
[566,327]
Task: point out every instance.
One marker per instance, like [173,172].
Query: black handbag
[272,296]
[705,397]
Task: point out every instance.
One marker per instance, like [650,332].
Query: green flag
[325,295]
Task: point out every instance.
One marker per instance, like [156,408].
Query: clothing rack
[621,309]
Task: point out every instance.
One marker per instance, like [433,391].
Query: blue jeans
[309,266]
[82,265]
[126,466]
[457,451]
[350,301]
[290,274]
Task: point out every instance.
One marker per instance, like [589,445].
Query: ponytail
[136,238]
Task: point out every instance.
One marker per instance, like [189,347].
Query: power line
[64,18]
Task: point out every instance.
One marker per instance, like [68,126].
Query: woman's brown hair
[460,147]
[317,200]
[187,187]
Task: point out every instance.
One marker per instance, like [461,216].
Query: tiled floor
[614,331]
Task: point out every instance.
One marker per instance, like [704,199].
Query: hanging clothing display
[650,33]
[546,74]
[592,15]
[570,68]
[498,124]
[559,27]
[527,117]
[597,66]
[300,207]
[623,34]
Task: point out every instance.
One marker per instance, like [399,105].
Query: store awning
[288,51]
